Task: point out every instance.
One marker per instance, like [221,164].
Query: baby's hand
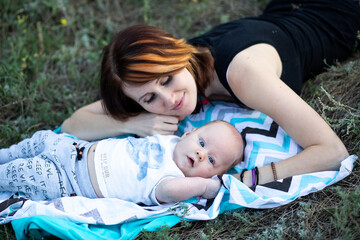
[212,188]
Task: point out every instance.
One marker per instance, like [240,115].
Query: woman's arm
[92,123]
[182,188]
[254,78]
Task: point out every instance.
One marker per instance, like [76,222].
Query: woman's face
[174,95]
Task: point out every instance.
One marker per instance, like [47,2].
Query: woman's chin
[181,118]
[181,115]
[188,111]
[184,115]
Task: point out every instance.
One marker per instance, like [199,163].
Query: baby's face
[207,151]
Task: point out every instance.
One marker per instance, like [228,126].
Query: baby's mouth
[191,161]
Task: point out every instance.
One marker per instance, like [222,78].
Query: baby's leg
[29,147]
[37,178]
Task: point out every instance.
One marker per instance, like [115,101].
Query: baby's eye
[202,144]
[211,160]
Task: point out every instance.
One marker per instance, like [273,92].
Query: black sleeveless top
[307,34]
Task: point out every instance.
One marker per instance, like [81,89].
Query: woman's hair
[143,53]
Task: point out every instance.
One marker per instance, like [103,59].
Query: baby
[152,170]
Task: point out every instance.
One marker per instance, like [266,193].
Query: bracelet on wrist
[255,176]
[242,175]
[274,171]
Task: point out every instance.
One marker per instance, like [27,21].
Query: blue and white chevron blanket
[83,218]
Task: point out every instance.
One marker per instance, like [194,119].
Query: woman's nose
[169,98]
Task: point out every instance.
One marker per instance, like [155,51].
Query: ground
[49,66]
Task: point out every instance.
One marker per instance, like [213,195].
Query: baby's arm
[183,188]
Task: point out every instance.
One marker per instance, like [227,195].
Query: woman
[150,80]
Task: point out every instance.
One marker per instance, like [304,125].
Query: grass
[49,67]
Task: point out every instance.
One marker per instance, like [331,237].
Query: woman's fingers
[165,124]
[147,124]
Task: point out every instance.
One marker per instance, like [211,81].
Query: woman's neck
[216,91]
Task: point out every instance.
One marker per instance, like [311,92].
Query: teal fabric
[57,130]
[38,227]
[42,226]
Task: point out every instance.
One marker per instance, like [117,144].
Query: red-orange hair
[143,53]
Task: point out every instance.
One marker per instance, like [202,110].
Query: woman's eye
[211,160]
[202,144]
[150,99]
[168,80]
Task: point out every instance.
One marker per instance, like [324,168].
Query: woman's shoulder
[253,69]
[257,58]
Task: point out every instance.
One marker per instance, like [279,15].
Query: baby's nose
[201,155]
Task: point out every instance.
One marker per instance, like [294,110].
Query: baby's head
[209,150]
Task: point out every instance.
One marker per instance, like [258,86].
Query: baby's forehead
[216,124]
[219,125]
[223,130]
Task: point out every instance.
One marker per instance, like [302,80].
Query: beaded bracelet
[274,171]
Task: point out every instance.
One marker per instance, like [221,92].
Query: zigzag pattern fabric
[266,142]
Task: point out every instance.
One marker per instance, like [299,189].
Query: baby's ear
[188,132]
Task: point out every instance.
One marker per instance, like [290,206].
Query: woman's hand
[147,124]
[92,123]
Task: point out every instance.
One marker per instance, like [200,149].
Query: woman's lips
[180,104]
